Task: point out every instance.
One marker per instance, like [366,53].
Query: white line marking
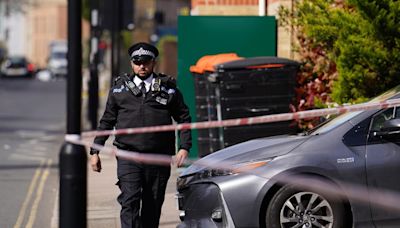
[31,188]
[39,194]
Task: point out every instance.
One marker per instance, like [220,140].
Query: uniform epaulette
[169,80]
[118,78]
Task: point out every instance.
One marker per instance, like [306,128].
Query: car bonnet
[253,150]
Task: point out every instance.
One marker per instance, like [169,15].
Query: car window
[59,55]
[381,117]
[17,62]
[335,121]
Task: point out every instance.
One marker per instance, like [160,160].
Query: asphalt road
[32,126]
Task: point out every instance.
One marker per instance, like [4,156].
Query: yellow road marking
[39,194]
[31,188]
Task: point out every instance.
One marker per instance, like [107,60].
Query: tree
[86,9]
[368,60]
[355,42]
[317,70]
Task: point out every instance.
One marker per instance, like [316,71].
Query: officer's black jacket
[125,110]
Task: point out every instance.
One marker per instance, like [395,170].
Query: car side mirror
[390,130]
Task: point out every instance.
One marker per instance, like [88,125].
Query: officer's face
[143,68]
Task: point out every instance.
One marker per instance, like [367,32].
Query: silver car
[334,176]
[17,66]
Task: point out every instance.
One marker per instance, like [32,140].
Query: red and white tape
[248,120]
[383,198]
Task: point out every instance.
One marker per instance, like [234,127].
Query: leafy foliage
[368,60]
[349,50]
[86,10]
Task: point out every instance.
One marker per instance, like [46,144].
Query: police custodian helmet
[142,52]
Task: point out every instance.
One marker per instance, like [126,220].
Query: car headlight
[231,169]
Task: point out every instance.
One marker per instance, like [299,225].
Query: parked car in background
[17,66]
[358,149]
[57,61]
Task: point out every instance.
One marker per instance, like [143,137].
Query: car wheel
[291,207]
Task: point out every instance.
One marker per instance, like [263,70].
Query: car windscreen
[59,55]
[334,122]
[337,120]
[17,62]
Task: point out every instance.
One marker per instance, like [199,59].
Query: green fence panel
[247,36]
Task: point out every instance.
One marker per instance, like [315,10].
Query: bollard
[73,186]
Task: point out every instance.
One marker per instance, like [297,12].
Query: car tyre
[294,207]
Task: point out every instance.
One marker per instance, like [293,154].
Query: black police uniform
[128,108]
[124,109]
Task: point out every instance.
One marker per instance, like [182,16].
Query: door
[383,169]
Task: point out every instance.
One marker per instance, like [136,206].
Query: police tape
[146,158]
[249,120]
[378,197]
[382,198]
[166,159]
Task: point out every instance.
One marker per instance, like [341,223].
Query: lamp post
[72,157]
[93,84]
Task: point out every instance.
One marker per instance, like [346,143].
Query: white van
[57,61]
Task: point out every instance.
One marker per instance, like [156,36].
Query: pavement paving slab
[103,208]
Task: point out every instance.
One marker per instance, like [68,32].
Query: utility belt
[122,146]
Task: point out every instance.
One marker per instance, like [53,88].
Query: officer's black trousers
[142,193]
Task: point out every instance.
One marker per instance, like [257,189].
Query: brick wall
[224,7]
[46,25]
[225,10]
[47,21]
[285,37]
[196,3]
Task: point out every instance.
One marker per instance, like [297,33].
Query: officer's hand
[95,162]
[180,157]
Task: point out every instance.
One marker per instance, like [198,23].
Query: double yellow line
[37,183]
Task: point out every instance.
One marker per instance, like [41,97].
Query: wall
[224,7]
[47,23]
[285,35]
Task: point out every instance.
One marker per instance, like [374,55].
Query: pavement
[103,208]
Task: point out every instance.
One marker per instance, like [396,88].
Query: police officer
[139,100]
